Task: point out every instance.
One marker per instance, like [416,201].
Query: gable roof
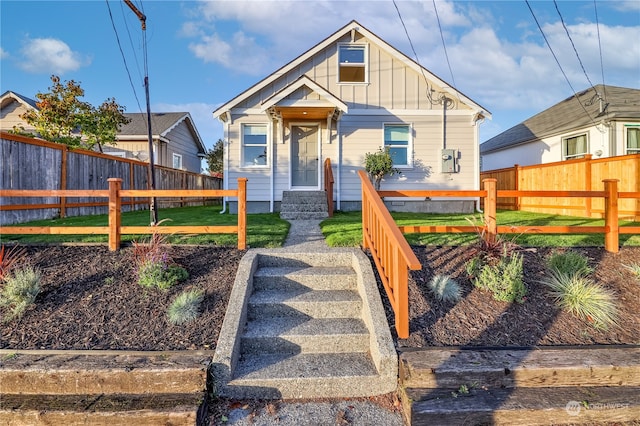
[568,115]
[161,124]
[303,81]
[353,25]
[7,96]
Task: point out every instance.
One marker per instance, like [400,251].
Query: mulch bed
[90,300]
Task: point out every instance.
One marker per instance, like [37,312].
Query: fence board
[35,164]
[574,175]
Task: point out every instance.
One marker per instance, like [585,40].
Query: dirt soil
[90,300]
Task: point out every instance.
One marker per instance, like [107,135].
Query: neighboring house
[176,141]
[603,121]
[348,95]
[12,106]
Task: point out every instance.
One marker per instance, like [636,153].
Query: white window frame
[365,47]
[243,145]
[177,157]
[628,150]
[565,140]
[409,145]
[119,154]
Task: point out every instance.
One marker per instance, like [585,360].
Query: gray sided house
[603,121]
[12,106]
[349,95]
[176,141]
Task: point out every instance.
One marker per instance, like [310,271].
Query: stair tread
[293,271]
[289,296]
[304,366]
[300,326]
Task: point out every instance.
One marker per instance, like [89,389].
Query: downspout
[225,161]
[478,120]
[339,178]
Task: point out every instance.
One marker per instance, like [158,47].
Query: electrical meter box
[449,161]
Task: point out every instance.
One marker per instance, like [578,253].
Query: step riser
[305,344]
[341,309]
[301,260]
[304,216]
[72,418]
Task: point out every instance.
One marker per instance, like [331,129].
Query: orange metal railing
[115,194]
[391,253]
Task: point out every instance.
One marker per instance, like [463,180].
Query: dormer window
[352,63]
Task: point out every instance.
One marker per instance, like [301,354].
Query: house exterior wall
[182,142]
[10,117]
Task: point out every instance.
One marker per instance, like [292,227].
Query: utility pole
[152,175]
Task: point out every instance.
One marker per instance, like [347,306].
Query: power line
[573,45]
[604,88]
[124,59]
[558,62]
[446,55]
[133,49]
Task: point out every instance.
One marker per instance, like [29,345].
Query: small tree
[215,158]
[63,118]
[378,165]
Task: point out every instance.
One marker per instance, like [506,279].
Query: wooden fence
[29,163]
[115,196]
[582,174]
[390,251]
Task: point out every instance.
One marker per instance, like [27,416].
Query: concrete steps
[304,326]
[102,387]
[520,386]
[303,205]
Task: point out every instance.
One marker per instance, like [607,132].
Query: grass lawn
[263,230]
[344,229]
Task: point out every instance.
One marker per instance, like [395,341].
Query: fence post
[517,168]
[611,236]
[365,215]
[401,294]
[587,180]
[490,210]
[63,179]
[115,206]
[242,213]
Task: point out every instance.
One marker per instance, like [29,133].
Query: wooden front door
[305,158]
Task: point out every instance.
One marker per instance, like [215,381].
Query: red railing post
[365,218]
[115,210]
[401,291]
[242,213]
[611,236]
[490,210]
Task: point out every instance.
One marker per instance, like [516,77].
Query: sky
[201,54]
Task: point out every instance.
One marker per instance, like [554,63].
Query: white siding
[10,116]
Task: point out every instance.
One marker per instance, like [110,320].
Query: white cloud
[3,53]
[49,55]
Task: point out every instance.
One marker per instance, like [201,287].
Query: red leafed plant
[11,258]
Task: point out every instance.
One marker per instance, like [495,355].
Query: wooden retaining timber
[533,386]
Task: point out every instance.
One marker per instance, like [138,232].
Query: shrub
[185,307]
[569,263]
[21,287]
[503,279]
[491,251]
[379,164]
[580,296]
[635,270]
[159,274]
[445,289]
[473,267]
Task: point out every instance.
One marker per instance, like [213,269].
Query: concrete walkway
[305,236]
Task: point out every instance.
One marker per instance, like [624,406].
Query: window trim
[243,145]
[409,146]
[627,127]
[365,47]
[575,156]
[175,156]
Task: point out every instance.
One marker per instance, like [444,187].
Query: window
[633,140]
[177,161]
[397,137]
[575,147]
[254,145]
[352,63]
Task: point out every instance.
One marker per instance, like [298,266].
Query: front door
[305,159]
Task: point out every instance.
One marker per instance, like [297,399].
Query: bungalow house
[176,140]
[603,121]
[349,95]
